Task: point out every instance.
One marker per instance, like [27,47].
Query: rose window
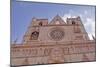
[56,34]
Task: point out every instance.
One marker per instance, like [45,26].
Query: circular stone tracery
[56,34]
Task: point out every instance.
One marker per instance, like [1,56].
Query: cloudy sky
[23,12]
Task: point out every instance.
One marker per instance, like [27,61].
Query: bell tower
[78,28]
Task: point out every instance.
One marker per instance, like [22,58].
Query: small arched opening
[40,24]
[73,22]
[34,35]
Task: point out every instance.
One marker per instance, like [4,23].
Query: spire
[57,15]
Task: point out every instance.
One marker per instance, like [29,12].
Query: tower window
[34,35]
[40,23]
[73,22]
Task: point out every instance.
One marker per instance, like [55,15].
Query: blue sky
[23,12]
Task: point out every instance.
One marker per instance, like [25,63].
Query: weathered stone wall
[53,53]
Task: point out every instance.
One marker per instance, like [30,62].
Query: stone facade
[53,42]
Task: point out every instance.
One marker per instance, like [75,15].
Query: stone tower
[54,42]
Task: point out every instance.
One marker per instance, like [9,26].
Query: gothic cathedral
[53,42]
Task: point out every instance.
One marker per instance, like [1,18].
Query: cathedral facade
[54,42]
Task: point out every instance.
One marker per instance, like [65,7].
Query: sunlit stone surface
[52,42]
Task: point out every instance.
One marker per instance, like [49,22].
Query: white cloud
[90,36]
[90,27]
[65,16]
